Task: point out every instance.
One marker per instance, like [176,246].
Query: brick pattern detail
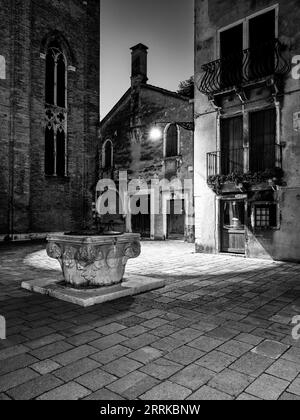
[29,201]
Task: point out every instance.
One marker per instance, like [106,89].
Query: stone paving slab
[231,382]
[167,391]
[131,286]
[69,391]
[221,328]
[192,377]
[267,387]
[270,349]
[206,394]
[76,369]
[34,388]
[133,385]
[96,379]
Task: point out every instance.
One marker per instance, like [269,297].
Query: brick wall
[5,47]
[42,203]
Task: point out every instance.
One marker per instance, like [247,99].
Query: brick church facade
[49,109]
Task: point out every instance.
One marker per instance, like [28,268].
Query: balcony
[244,166]
[248,67]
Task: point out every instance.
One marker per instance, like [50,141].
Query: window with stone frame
[56,111]
[172,141]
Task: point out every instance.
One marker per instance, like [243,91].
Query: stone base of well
[129,287]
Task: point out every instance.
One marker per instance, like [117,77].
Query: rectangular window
[232,153]
[231,51]
[250,32]
[262,44]
[265,215]
[263,140]
[262,29]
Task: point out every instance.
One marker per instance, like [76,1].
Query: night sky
[165,26]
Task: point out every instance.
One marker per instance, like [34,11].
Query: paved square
[221,328]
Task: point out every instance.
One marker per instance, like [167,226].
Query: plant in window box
[216,182]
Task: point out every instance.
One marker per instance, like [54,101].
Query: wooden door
[176,219]
[141,223]
[233,226]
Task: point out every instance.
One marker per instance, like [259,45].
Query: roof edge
[114,108]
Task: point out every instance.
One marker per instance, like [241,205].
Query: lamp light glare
[155,133]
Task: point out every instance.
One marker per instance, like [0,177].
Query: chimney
[139,64]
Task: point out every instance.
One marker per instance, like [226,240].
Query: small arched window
[56,111]
[107,155]
[171,140]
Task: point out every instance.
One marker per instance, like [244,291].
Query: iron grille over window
[265,215]
[56,112]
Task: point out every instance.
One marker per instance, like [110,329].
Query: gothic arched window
[56,76]
[56,111]
[107,154]
[171,141]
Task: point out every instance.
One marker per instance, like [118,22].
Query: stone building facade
[247,128]
[49,109]
[128,146]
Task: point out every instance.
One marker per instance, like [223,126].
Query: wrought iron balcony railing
[240,69]
[235,161]
[225,162]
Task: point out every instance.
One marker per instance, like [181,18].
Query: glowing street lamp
[155,134]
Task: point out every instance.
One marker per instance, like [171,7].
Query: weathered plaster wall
[210,16]
[134,150]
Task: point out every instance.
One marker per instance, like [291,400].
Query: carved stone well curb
[93,261]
